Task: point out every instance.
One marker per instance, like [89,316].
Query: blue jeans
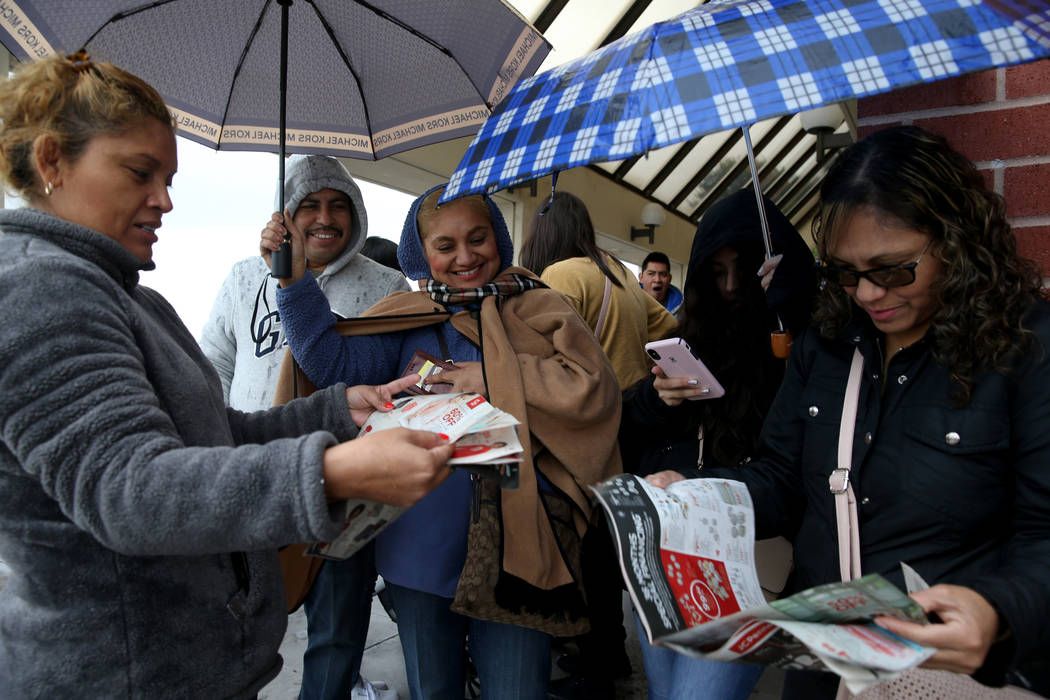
[674,676]
[338,608]
[513,662]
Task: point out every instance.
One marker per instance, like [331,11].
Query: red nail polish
[388,405]
[368,428]
[443,436]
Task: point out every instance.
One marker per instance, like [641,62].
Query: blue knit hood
[410,252]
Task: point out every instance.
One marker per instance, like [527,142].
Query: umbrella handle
[281,259]
[781,341]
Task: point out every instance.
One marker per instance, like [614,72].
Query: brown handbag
[476,591]
[299,572]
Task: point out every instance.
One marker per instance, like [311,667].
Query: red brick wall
[1000,119]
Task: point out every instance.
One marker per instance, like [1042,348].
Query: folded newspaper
[486,444]
[687,556]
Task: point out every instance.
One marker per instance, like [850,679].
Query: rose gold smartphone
[676,359]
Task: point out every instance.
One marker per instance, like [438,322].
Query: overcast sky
[222,200]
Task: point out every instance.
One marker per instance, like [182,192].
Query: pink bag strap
[605,310]
[846,520]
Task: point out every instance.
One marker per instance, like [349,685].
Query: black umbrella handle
[281,259]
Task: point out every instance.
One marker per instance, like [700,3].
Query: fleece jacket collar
[116,260]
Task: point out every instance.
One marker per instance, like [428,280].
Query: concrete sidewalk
[383,661]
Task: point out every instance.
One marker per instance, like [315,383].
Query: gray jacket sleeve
[324,410]
[218,340]
[143,461]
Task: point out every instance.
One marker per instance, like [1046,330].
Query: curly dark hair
[916,178]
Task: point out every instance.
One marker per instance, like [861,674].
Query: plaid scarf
[505,285]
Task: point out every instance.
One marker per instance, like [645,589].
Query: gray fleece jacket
[128,490]
[244,338]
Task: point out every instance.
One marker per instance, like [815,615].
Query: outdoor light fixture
[653,215]
[822,122]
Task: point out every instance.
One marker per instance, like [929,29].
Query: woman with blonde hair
[140,518]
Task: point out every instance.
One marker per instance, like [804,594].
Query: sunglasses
[885,277]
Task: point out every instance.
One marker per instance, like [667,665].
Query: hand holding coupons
[486,441]
[485,437]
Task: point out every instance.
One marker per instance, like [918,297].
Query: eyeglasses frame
[823,270]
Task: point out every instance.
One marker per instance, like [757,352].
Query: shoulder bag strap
[605,309]
[846,520]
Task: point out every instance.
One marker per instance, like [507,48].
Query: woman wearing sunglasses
[951,448]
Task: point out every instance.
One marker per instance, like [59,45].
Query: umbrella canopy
[364,79]
[730,64]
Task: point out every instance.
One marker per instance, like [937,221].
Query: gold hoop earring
[49,188]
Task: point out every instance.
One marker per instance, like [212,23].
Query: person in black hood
[726,318]
[733,298]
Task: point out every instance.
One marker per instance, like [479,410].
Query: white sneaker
[368,690]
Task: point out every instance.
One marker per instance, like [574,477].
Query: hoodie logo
[269,334]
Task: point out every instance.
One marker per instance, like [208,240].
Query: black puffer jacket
[655,436]
[962,494]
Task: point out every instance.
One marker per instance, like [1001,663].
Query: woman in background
[560,247]
[726,317]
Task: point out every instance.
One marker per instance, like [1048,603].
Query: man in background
[244,341]
[655,279]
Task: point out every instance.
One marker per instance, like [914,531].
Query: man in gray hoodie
[244,341]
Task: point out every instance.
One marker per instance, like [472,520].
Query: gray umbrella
[358,79]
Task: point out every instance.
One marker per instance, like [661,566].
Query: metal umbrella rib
[421,74]
[346,61]
[366,79]
[237,71]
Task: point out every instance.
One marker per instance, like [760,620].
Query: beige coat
[543,365]
[633,318]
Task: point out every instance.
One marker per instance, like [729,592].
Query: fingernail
[443,436]
[694,382]
[368,428]
[705,390]
[388,405]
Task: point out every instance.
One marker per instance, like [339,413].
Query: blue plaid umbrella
[730,64]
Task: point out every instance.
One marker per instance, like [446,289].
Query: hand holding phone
[676,359]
